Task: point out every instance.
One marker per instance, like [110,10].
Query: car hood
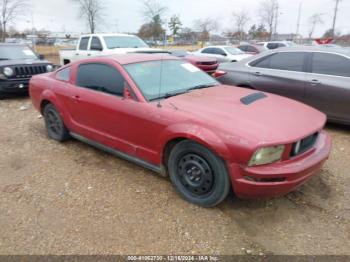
[23,62]
[270,120]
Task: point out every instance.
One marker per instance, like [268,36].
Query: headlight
[49,68]
[267,155]
[8,71]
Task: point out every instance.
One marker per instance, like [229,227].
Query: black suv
[18,63]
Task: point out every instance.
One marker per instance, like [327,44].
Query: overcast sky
[125,15]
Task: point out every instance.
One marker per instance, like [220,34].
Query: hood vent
[250,99]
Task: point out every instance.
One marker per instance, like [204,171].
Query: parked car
[18,63]
[207,64]
[171,117]
[251,49]
[103,45]
[223,53]
[275,44]
[317,76]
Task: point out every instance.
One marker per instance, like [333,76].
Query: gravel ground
[73,199]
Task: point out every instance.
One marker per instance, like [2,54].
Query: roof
[131,58]
[319,48]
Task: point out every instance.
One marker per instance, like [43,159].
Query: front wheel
[198,174]
[54,124]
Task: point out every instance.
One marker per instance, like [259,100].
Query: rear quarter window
[64,74]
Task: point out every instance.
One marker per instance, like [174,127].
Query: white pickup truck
[104,45]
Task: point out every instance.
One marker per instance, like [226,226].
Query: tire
[198,175]
[55,127]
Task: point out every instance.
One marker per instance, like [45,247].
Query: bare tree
[314,20]
[91,10]
[268,12]
[10,10]
[153,11]
[205,27]
[240,19]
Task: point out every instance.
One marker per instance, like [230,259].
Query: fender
[196,133]
[51,96]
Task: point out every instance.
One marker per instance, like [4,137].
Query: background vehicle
[317,76]
[102,45]
[207,64]
[223,53]
[18,63]
[251,49]
[275,44]
[169,116]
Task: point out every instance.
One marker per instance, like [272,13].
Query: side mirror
[223,54]
[41,57]
[96,48]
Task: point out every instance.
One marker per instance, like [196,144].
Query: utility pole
[335,17]
[299,17]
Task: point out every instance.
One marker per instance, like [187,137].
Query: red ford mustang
[167,115]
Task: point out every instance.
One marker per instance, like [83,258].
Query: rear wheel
[54,125]
[198,174]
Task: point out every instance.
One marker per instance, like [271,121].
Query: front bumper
[278,179]
[14,86]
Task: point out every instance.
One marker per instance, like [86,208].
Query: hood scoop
[250,99]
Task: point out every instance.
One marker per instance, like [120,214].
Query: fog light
[21,86]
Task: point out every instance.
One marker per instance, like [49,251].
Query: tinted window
[64,74]
[330,64]
[218,51]
[102,78]
[275,45]
[84,43]
[208,51]
[96,44]
[243,48]
[283,61]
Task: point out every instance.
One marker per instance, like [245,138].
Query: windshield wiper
[168,95]
[201,86]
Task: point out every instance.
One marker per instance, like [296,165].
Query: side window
[330,64]
[272,45]
[290,61]
[208,51]
[244,48]
[84,41]
[219,51]
[96,44]
[64,74]
[101,77]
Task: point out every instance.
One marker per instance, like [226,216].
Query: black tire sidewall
[64,134]
[222,183]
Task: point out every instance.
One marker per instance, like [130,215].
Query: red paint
[207,64]
[324,41]
[213,117]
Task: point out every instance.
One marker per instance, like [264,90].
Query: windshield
[124,42]
[12,52]
[176,77]
[234,51]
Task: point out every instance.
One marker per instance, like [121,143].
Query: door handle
[258,74]
[89,54]
[315,82]
[77,54]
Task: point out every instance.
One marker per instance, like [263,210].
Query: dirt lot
[73,199]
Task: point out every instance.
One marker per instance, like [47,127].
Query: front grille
[28,70]
[207,63]
[303,145]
